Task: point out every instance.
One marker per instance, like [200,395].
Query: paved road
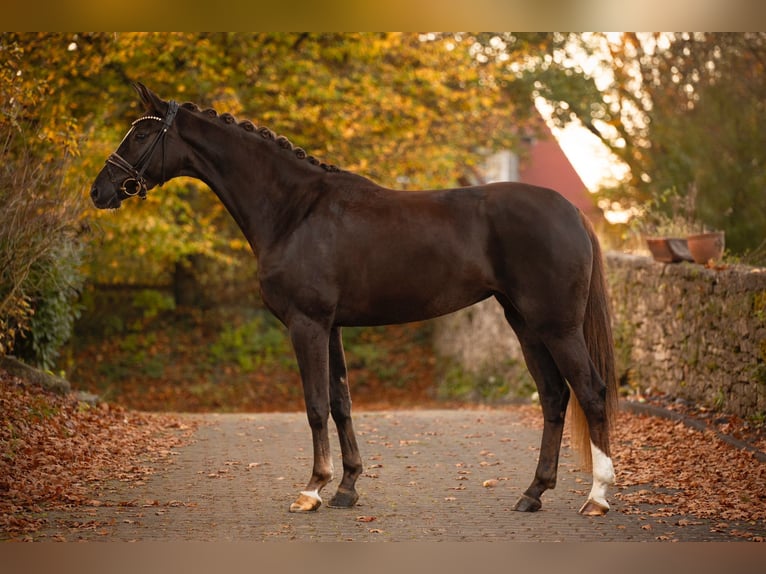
[423,482]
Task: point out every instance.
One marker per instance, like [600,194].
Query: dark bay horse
[334,249]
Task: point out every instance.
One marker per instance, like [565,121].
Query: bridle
[135,183]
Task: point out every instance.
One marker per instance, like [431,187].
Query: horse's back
[384,256]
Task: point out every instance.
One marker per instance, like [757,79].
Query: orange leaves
[55,452]
[684,471]
[366,518]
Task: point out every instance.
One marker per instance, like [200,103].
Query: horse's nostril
[94,193]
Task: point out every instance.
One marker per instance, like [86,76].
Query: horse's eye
[140,136]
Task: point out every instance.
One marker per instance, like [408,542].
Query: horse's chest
[297,288]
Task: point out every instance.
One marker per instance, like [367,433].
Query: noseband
[135,183]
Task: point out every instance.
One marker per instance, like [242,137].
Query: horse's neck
[260,186]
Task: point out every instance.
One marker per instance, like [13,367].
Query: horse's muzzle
[104,200]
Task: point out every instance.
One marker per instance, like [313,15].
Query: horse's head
[139,163]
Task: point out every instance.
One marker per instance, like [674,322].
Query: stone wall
[691,332]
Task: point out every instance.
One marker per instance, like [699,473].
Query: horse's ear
[151,100]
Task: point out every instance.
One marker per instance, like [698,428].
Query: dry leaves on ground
[56,451]
[666,468]
[682,471]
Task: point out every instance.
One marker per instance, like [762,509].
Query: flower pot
[668,249]
[706,247]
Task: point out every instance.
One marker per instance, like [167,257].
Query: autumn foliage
[58,452]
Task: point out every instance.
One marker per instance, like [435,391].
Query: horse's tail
[597,329]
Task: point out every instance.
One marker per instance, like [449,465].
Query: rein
[135,184]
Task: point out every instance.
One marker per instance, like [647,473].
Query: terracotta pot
[668,249]
[706,247]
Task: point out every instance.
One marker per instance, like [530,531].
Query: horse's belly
[415,296]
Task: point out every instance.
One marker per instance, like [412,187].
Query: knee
[317,416]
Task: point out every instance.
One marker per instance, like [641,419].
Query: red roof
[546,165]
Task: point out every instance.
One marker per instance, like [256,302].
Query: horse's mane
[265,133]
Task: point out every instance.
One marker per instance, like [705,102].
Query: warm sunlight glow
[591,159]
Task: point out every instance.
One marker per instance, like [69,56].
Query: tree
[683,111]
[407,110]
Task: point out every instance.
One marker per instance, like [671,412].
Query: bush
[259,341]
[54,284]
[491,384]
[40,245]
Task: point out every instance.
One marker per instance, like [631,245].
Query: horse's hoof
[344,499]
[306,502]
[593,508]
[528,504]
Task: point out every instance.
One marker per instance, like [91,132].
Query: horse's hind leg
[340,407]
[554,396]
[571,355]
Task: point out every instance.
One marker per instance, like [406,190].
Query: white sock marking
[312,494]
[603,475]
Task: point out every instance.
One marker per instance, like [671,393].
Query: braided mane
[265,133]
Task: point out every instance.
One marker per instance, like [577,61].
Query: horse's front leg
[310,341]
[340,407]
